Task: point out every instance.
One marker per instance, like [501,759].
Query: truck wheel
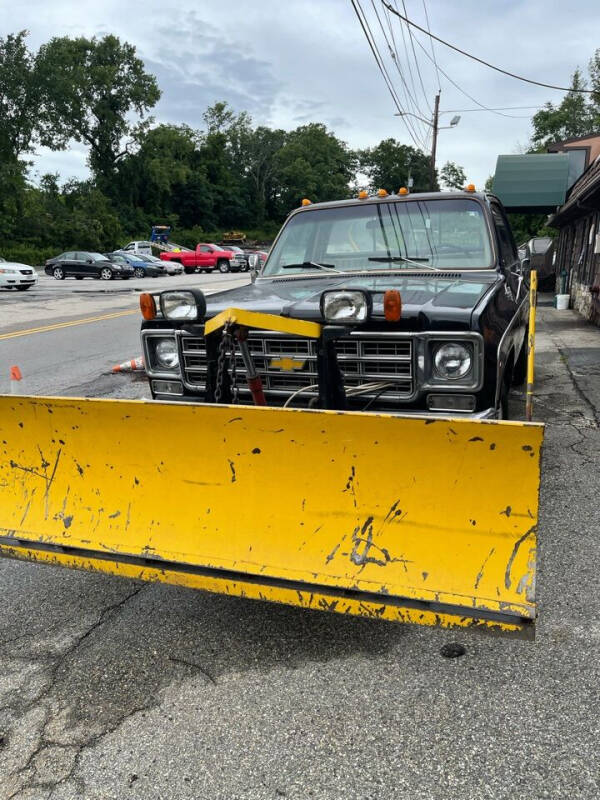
[223,265]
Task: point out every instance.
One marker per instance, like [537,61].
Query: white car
[170,267]
[16,276]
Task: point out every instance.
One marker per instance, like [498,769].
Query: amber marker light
[306,202]
[147,306]
[392,305]
[470,187]
[403,190]
[363,194]
[381,193]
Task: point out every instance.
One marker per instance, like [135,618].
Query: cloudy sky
[294,61]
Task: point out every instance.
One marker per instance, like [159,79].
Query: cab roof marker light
[306,202]
[470,187]
[382,193]
[403,190]
[363,194]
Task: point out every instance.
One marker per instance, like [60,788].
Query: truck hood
[428,299]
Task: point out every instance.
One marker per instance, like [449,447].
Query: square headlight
[187,304]
[345,306]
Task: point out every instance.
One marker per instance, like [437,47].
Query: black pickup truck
[422,298]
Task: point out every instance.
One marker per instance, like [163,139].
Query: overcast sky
[300,61]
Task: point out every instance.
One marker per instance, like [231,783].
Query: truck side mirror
[253,264]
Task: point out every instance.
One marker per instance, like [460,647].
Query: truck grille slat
[362,357]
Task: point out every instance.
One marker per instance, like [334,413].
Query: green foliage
[390,164]
[576,115]
[27,254]
[93,87]
[526,226]
[453,176]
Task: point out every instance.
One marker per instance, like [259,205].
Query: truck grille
[363,357]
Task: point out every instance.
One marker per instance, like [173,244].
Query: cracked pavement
[117,689]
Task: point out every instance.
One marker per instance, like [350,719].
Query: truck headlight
[344,306]
[452,361]
[183,305]
[166,353]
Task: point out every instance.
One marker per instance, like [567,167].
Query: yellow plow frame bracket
[256,319]
[420,520]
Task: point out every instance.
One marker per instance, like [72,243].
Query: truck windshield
[408,234]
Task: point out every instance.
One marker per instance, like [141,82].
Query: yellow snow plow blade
[421,520]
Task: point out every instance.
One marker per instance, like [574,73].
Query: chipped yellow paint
[287,364]
[256,319]
[406,518]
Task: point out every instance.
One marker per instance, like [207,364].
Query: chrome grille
[363,357]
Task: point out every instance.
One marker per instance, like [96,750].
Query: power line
[364,25]
[432,50]
[414,52]
[502,108]
[480,60]
[464,91]
[410,98]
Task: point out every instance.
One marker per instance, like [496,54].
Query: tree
[453,176]
[575,115]
[93,87]
[313,163]
[389,165]
[19,98]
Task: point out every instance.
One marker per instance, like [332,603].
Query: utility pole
[436,111]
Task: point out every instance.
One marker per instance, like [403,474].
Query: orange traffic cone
[133,365]
[15,378]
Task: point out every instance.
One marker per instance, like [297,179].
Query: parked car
[239,262]
[16,276]
[141,268]
[170,267]
[206,258]
[83,264]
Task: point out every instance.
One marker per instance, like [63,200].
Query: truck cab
[422,300]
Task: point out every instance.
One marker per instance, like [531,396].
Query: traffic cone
[133,365]
[15,378]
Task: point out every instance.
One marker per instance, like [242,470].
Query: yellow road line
[70,323]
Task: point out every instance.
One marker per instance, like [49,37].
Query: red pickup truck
[206,258]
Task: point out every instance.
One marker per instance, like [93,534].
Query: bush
[28,254]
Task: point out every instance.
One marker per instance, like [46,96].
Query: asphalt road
[65,336]
[116,689]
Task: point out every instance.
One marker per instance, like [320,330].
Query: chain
[234,386]
[225,336]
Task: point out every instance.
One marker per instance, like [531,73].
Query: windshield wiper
[419,262]
[308,264]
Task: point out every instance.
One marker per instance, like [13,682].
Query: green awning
[534,183]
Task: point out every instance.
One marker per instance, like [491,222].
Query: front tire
[223,265]
[106,274]
[59,273]
[139,272]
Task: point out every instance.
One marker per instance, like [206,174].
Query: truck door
[205,257]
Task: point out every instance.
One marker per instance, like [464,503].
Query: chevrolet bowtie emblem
[287,364]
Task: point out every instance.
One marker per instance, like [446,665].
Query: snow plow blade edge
[412,519]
